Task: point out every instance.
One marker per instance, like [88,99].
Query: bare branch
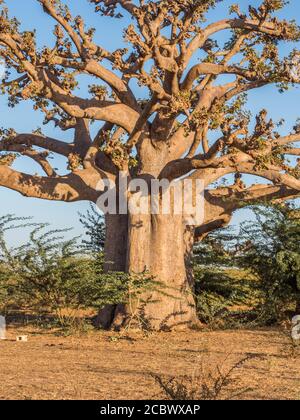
[48,143]
[268,28]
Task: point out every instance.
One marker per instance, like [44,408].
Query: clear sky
[109,33]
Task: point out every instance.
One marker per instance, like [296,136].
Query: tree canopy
[166,133]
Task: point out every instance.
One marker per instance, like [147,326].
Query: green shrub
[94,227]
[46,274]
[224,291]
[224,296]
[49,274]
[256,269]
[269,248]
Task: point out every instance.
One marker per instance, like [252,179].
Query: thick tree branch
[77,186]
[92,109]
[221,203]
[29,140]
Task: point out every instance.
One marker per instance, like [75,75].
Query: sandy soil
[103,365]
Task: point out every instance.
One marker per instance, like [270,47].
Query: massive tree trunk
[158,247]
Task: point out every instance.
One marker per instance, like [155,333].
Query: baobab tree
[169,134]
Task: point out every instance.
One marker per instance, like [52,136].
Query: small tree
[269,247]
[45,274]
[264,254]
[94,227]
[223,284]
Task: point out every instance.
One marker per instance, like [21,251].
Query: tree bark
[115,251]
[158,247]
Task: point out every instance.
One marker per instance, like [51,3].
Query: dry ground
[103,365]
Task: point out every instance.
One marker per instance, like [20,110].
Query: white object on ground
[2,328]
[22,338]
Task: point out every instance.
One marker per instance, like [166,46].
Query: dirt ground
[101,365]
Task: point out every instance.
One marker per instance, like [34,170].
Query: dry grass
[108,366]
[208,382]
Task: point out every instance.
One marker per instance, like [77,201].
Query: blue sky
[109,34]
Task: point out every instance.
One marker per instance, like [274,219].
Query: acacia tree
[173,54]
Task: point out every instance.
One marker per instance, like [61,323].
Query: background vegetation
[253,274]
[246,276]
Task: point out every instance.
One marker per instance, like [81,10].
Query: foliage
[224,296]
[251,274]
[7,277]
[241,276]
[94,226]
[269,247]
[49,274]
[221,287]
